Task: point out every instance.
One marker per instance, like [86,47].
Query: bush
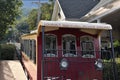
[108,71]
[116,43]
[118,70]
[7,51]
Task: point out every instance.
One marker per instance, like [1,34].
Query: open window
[50,45]
[87,46]
[69,45]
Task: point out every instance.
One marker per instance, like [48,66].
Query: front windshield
[50,45]
[87,46]
[69,45]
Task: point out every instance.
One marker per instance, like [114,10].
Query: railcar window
[22,45]
[30,48]
[26,47]
[87,46]
[69,45]
[50,45]
[34,51]
[26,43]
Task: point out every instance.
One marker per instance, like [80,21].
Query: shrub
[108,71]
[118,70]
[7,51]
[116,43]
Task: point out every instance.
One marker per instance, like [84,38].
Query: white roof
[92,28]
[72,24]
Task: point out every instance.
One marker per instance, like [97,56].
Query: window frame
[91,40]
[50,54]
[65,35]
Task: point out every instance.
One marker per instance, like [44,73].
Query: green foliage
[46,14]
[47,10]
[32,19]
[23,27]
[9,10]
[108,71]
[116,43]
[7,52]
[118,70]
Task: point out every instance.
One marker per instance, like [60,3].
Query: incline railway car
[64,50]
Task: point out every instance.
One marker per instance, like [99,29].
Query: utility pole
[39,12]
[39,3]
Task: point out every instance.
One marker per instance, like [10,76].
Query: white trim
[61,12]
[101,3]
[105,14]
[58,9]
[55,11]
[33,31]
[72,24]
[115,8]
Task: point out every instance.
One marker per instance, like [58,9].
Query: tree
[47,10]
[9,10]
[46,14]
[22,27]
[32,19]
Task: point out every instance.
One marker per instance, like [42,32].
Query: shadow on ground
[5,71]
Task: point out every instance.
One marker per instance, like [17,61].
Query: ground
[11,70]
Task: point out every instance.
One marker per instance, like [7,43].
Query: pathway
[11,70]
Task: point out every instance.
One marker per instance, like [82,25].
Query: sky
[28,5]
[32,3]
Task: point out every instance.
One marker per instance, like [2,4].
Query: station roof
[108,13]
[75,9]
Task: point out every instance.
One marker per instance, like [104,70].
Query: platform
[11,70]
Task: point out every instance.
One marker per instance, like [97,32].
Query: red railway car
[64,50]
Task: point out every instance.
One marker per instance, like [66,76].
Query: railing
[71,53]
[109,66]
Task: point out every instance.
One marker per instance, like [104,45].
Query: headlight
[99,64]
[64,64]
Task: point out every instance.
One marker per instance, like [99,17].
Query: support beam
[43,51]
[113,58]
[98,20]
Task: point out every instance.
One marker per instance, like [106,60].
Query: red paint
[79,68]
[39,57]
